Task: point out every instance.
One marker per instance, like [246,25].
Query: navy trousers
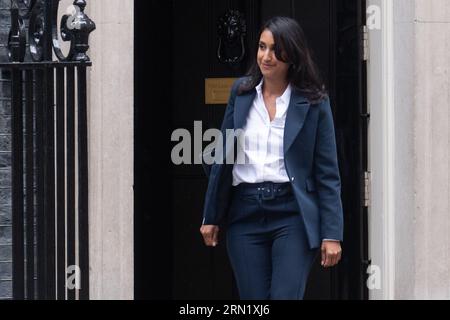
[266,242]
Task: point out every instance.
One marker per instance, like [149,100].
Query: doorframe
[381,136]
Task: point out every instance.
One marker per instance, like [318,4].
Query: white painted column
[111,150]
[381,88]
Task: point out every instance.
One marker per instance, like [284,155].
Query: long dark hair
[290,47]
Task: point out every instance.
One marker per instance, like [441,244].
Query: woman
[283,202]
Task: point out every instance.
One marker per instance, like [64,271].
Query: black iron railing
[49,150]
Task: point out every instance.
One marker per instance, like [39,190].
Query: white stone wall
[431,144]
[422,138]
[111,150]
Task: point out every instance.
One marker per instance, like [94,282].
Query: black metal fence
[49,150]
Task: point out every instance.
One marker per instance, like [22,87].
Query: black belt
[267,189]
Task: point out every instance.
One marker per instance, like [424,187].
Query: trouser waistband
[267,189]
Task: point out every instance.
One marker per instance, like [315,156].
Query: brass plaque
[217,90]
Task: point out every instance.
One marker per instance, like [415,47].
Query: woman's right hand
[210,234]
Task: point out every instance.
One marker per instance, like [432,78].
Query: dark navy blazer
[310,157]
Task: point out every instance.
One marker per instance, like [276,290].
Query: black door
[175,51]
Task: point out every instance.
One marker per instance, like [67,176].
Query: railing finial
[83,27]
[75,28]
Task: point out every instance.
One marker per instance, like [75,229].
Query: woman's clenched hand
[210,235]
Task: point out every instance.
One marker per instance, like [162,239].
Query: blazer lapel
[295,118]
[242,106]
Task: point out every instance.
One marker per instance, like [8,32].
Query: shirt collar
[285,97]
[259,87]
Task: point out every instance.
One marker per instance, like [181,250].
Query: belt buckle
[267,192]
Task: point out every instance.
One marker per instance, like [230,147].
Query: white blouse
[260,152]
